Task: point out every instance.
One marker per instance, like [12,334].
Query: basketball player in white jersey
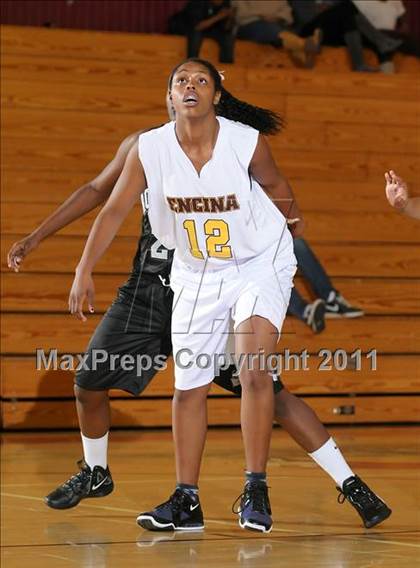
[208,178]
[138,323]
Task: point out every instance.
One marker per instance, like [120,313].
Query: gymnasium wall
[145,16]
[109,15]
[70,97]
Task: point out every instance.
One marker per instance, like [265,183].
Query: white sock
[95,450]
[329,457]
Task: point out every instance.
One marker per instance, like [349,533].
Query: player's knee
[181,397]
[255,380]
[187,397]
[89,398]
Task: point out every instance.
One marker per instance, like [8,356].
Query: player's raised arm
[80,202]
[125,195]
[265,171]
[397,194]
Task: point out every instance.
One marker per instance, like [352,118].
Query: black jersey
[151,256]
[151,259]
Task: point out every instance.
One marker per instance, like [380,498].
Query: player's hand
[396,190]
[19,251]
[82,289]
[296,227]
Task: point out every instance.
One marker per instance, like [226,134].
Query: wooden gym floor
[311,528]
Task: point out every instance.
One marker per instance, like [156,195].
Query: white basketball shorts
[205,302]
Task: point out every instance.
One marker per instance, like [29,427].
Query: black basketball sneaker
[87,483]
[338,307]
[254,508]
[370,507]
[181,512]
[314,315]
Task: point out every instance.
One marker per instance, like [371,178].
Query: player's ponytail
[263,120]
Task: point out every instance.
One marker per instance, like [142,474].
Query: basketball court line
[234,524]
[203,479]
[394,542]
[123,510]
[218,538]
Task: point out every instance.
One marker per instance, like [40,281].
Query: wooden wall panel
[61,254]
[222,411]
[142,48]
[394,374]
[24,333]
[90,44]
[70,97]
[353,110]
[332,165]
[239,77]
[25,292]
[355,85]
[55,127]
[21,218]
[351,196]
[22,185]
[102,72]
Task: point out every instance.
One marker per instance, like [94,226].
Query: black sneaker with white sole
[338,307]
[254,507]
[181,512]
[85,484]
[370,507]
[314,315]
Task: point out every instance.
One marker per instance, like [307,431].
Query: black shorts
[133,340]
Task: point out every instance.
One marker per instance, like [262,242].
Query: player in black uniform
[138,323]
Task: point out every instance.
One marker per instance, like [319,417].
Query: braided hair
[264,120]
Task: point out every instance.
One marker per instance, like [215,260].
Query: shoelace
[175,502]
[77,480]
[359,493]
[258,494]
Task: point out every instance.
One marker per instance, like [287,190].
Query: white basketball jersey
[218,216]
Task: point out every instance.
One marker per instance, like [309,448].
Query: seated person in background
[388,17]
[397,194]
[330,303]
[270,21]
[341,24]
[206,18]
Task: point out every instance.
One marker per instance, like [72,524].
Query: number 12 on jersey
[217,232]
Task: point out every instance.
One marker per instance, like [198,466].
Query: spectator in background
[206,18]
[387,16]
[270,21]
[329,302]
[341,24]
